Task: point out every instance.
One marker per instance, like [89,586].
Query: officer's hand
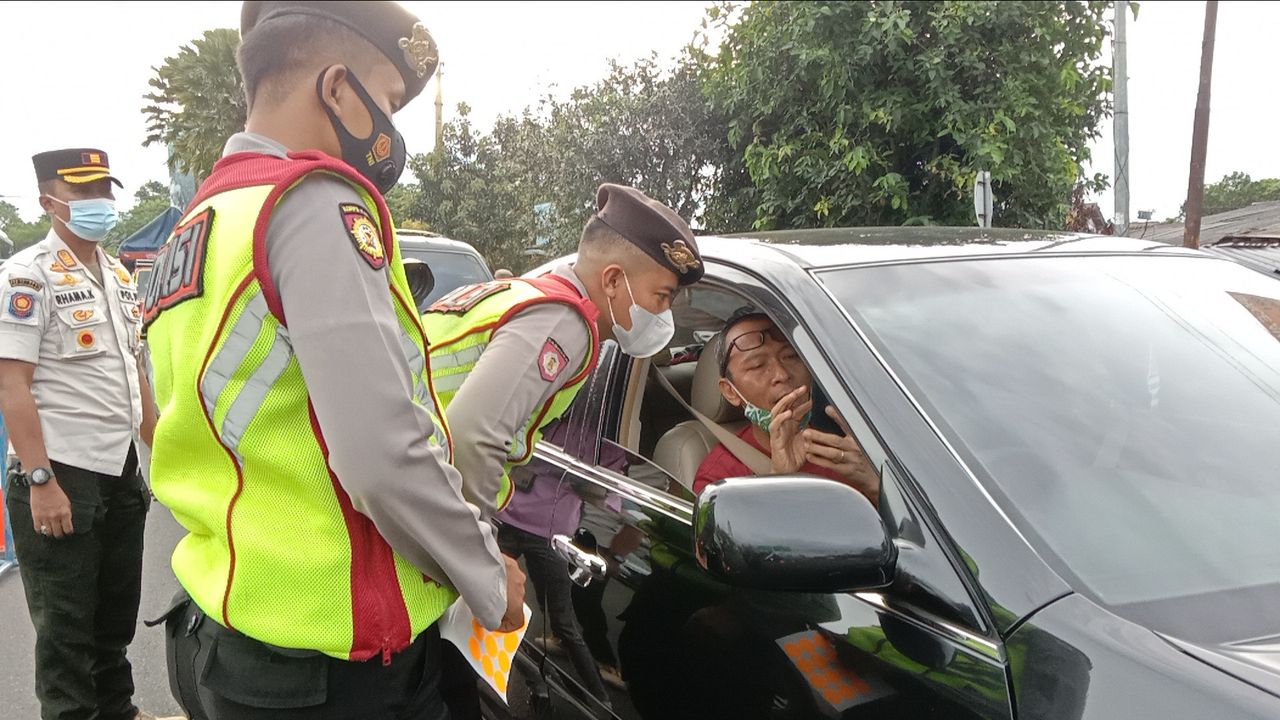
[50,510]
[514,619]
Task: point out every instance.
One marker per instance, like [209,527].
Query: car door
[691,646]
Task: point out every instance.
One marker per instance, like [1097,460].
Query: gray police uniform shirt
[346,337]
[82,335]
[507,386]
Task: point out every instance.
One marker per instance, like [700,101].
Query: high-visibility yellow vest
[460,325]
[274,548]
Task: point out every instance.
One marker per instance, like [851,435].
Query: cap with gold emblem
[75,165]
[651,226]
[389,27]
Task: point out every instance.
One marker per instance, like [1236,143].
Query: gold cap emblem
[419,50]
[680,256]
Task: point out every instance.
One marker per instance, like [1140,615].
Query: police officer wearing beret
[72,396]
[509,356]
[299,440]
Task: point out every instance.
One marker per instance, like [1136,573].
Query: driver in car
[761,373]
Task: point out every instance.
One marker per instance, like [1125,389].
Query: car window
[451,269]
[1124,410]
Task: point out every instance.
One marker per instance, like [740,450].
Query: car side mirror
[421,281]
[797,533]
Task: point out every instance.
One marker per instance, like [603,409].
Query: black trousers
[551,583]
[220,674]
[83,591]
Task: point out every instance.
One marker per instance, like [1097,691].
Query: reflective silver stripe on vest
[421,391]
[255,389]
[234,350]
[466,356]
[231,355]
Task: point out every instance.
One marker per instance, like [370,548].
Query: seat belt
[745,452]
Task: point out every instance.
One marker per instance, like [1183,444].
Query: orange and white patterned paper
[491,654]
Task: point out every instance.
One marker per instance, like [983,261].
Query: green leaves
[880,113]
[198,102]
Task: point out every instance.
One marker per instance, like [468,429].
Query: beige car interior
[681,449]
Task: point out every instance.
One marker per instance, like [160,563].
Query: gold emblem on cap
[419,50]
[681,256]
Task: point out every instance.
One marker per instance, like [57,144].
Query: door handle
[584,567]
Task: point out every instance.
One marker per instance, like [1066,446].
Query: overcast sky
[75,74]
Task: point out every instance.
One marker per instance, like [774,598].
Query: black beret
[75,165]
[389,27]
[653,227]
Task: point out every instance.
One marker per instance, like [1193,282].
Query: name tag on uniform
[68,298]
[127,295]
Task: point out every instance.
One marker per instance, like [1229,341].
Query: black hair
[283,51]
[601,242]
[745,312]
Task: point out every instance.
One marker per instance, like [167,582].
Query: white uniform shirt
[82,337]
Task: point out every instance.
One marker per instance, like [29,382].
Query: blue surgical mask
[763,417]
[91,219]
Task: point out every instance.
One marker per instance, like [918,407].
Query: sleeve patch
[552,360]
[26,282]
[20,307]
[467,297]
[364,233]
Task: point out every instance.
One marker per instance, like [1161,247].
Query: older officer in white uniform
[72,398]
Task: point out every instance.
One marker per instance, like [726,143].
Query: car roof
[428,240]
[869,245]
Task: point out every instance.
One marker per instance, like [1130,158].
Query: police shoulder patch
[364,233]
[466,297]
[551,360]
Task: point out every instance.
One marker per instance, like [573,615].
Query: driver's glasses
[750,341]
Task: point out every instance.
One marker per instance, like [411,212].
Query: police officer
[299,442]
[509,356]
[72,398]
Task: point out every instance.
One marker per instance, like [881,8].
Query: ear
[333,87]
[730,395]
[611,280]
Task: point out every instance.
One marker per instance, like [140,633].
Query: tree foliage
[880,113]
[22,233]
[641,125]
[198,102]
[1238,190]
[149,201]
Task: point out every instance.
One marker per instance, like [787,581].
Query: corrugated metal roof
[1259,220]
[1262,255]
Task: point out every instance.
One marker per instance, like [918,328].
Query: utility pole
[1200,133]
[440,108]
[1120,66]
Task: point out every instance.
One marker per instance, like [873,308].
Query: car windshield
[1125,411]
[451,269]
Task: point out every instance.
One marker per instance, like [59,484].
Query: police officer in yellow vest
[73,399]
[300,442]
[509,356]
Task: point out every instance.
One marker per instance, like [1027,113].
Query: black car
[1079,442]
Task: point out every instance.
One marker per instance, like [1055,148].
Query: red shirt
[720,464]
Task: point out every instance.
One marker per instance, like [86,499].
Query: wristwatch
[38,476]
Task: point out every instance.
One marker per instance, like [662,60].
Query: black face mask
[379,157]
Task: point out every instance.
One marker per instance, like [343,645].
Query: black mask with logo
[379,157]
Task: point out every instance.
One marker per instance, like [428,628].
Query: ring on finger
[44,529]
[841,456]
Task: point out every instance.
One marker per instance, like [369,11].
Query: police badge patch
[551,360]
[364,233]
